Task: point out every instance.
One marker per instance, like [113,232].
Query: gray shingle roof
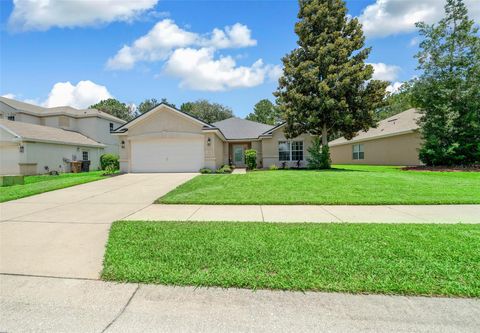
[31,132]
[64,110]
[237,128]
[400,123]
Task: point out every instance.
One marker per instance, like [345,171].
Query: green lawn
[345,184]
[400,259]
[44,183]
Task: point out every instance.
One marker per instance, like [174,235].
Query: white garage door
[167,155]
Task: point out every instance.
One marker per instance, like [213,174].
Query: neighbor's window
[85,155]
[111,127]
[290,151]
[12,118]
[358,152]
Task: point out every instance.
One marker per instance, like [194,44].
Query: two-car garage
[167,155]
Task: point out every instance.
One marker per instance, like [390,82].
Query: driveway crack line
[122,310]
[330,213]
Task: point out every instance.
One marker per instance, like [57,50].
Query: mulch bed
[473,168]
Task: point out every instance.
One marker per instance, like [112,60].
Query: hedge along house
[28,149]
[395,141]
[165,139]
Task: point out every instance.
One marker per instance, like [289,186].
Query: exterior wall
[52,155]
[257,145]
[213,152]
[98,129]
[9,158]
[270,149]
[26,118]
[394,150]
[124,153]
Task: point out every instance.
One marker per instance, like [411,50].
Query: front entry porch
[236,153]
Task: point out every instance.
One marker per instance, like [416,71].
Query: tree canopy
[207,111]
[115,108]
[396,102]
[326,86]
[150,103]
[265,112]
[448,90]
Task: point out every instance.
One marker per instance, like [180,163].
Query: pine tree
[448,91]
[326,86]
[265,112]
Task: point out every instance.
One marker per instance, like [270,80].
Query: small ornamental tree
[448,90]
[319,155]
[326,86]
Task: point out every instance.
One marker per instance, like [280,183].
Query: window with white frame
[111,127]
[10,117]
[290,151]
[358,152]
[85,155]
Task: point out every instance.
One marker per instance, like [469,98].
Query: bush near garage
[111,160]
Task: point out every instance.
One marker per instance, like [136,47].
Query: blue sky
[41,51]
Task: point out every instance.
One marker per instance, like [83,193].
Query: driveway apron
[63,233]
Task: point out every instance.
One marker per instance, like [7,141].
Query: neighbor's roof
[31,132]
[237,128]
[401,123]
[59,110]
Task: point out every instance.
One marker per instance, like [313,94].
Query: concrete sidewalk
[296,213]
[38,304]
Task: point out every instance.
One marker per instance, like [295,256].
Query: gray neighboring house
[34,139]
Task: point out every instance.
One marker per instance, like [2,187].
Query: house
[35,140]
[395,141]
[29,149]
[92,123]
[165,139]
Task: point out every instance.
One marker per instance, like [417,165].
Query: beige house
[395,141]
[165,139]
[35,140]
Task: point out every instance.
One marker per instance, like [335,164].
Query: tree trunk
[324,135]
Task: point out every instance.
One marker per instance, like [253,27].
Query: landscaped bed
[44,183]
[344,184]
[406,259]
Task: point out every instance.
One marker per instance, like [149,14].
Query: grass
[44,183]
[363,185]
[405,259]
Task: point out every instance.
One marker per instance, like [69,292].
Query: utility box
[11,180]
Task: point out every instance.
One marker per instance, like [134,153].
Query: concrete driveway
[63,233]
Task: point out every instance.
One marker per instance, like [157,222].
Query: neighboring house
[92,123]
[395,141]
[30,149]
[34,139]
[165,139]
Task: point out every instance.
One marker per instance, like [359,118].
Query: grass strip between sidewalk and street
[402,259]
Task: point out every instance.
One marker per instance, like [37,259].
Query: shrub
[319,155]
[273,167]
[109,170]
[224,169]
[109,160]
[206,171]
[251,158]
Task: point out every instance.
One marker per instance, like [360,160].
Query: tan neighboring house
[395,141]
[165,139]
[34,139]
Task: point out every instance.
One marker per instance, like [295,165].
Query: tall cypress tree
[448,91]
[326,86]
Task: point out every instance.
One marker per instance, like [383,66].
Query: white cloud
[166,36]
[44,14]
[385,72]
[394,87]
[199,70]
[389,17]
[9,95]
[81,95]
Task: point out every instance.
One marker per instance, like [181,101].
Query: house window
[290,151]
[85,155]
[358,152]
[12,118]
[111,127]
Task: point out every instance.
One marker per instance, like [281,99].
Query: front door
[238,156]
